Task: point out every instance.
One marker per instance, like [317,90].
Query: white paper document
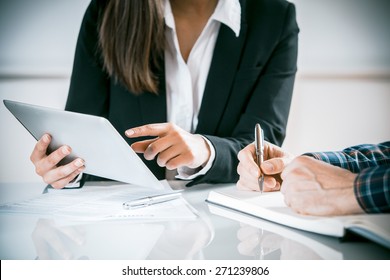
[100,203]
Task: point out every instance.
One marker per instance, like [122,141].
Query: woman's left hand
[173,146]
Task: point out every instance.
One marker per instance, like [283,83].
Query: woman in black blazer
[250,80]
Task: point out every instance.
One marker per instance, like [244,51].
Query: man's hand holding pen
[274,161]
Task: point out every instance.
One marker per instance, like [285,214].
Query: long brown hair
[131,38]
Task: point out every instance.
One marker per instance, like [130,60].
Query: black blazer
[250,81]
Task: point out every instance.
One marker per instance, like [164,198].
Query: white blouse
[185,82]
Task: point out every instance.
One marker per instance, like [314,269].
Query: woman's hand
[173,146]
[275,160]
[47,167]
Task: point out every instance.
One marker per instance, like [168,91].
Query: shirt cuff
[372,190]
[334,158]
[185,173]
[75,183]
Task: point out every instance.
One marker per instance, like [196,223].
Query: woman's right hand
[47,167]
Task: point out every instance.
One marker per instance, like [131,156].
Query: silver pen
[150,200]
[259,146]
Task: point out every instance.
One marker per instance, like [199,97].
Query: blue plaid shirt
[372,163]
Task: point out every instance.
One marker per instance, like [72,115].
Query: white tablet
[94,139]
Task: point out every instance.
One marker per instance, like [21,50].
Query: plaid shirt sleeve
[372,163]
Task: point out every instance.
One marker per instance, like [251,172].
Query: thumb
[274,166]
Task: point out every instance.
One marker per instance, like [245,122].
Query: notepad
[270,206]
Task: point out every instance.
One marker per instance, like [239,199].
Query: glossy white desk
[211,236]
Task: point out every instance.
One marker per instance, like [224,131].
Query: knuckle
[171,126]
[151,148]
[139,130]
[239,169]
[61,173]
[64,171]
[171,165]
[52,160]
[188,159]
[146,128]
[176,135]
[54,157]
[297,173]
[191,155]
[46,180]
[240,155]
[39,146]
[32,158]
[57,185]
[175,132]
[302,160]
[161,161]
[38,170]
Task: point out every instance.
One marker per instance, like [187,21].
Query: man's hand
[313,187]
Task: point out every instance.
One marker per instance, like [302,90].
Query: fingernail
[268,167]
[79,162]
[65,150]
[46,138]
[129,132]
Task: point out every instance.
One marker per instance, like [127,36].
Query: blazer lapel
[224,64]
[223,68]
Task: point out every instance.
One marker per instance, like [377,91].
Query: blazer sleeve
[89,84]
[268,104]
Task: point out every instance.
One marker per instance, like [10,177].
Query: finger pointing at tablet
[47,166]
[173,147]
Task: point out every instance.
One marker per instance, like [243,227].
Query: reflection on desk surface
[119,240]
[94,241]
[266,240]
[107,240]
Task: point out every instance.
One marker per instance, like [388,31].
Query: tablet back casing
[94,139]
